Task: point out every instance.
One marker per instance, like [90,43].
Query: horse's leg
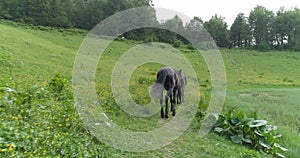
[173,99]
[174,110]
[167,108]
[173,104]
[161,100]
[168,95]
[179,96]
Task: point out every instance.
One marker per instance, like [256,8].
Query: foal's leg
[182,95]
[178,96]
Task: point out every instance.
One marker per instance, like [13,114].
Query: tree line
[84,14]
[262,29]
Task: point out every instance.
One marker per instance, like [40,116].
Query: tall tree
[261,20]
[240,31]
[281,27]
[10,10]
[294,36]
[174,24]
[197,33]
[195,28]
[217,28]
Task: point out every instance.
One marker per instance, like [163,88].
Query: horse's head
[181,78]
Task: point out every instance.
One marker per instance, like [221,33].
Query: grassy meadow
[38,117]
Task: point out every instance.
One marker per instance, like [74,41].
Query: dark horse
[180,86]
[174,82]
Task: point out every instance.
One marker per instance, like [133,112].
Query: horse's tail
[156,89]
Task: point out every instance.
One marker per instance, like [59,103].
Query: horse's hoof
[166,116]
[162,114]
[174,113]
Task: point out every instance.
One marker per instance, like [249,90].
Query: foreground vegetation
[38,118]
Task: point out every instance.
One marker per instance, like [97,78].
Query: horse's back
[166,77]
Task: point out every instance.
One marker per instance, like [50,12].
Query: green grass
[48,125]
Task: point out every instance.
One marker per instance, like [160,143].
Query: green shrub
[177,43]
[248,129]
[58,87]
[34,122]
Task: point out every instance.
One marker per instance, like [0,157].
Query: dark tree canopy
[217,28]
[240,31]
[83,14]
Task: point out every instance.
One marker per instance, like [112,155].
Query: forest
[262,30]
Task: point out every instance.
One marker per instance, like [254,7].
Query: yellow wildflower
[58,135]
[15,118]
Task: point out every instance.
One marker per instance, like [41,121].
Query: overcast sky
[229,9]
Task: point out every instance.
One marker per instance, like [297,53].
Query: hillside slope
[47,124]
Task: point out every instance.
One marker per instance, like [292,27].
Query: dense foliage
[83,14]
[262,30]
[248,129]
[40,121]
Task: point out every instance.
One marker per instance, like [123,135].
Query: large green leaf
[247,139]
[235,121]
[280,155]
[280,147]
[236,139]
[239,115]
[218,129]
[267,128]
[220,122]
[258,133]
[257,123]
[277,136]
[264,143]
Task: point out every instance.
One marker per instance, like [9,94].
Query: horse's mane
[161,77]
